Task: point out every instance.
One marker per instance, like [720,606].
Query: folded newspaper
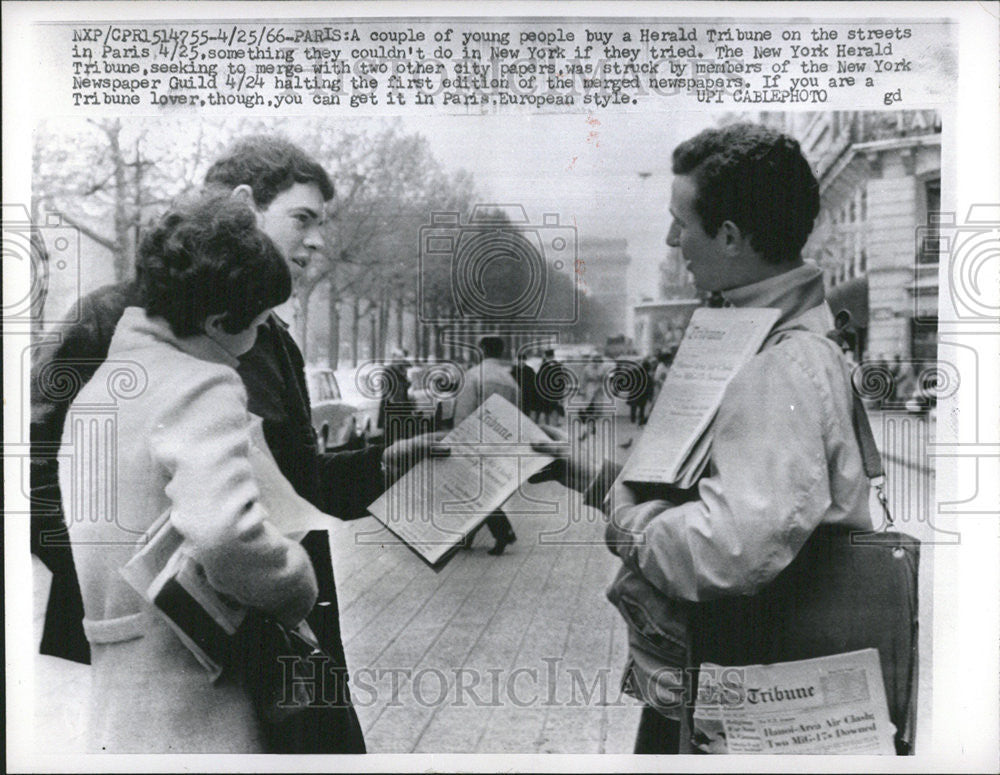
[439,502]
[834,704]
[168,577]
[675,446]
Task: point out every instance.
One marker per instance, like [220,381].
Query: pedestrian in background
[525,377]
[491,376]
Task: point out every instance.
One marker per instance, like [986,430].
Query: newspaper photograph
[378,300]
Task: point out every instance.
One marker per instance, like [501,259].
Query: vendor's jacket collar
[792,292]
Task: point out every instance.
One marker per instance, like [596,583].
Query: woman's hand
[617,536]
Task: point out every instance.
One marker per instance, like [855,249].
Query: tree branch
[89,232]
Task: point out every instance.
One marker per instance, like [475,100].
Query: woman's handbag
[298,691]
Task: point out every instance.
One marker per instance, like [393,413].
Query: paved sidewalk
[518,653]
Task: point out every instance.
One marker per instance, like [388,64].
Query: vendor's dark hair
[207,256]
[758,179]
[269,165]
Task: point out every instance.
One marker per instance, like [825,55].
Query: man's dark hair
[491,346]
[269,165]
[206,256]
[758,179]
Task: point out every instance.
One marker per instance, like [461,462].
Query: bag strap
[871,458]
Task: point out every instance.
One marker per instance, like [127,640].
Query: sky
[584,167]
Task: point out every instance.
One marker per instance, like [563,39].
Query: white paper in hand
[440,501]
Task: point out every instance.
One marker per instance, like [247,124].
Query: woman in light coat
[163,426]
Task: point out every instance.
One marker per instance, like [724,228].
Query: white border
[965,708]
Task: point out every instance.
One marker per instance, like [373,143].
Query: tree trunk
[121,219]
[355,322]
[302,323]
[373,331]
[416,340]
[382,330]
[333,336]
[399,322]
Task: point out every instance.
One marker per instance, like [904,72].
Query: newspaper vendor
[784,457]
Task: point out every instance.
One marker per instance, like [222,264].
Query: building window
[864,204]
[923,338]
[863,264]
[930,245]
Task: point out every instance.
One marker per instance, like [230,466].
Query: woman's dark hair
[206,257]
[269,165]
[758,179]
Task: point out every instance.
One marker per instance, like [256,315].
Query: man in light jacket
[784,457]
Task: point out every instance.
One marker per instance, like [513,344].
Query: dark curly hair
[269,165]
[758,179]
[204,257]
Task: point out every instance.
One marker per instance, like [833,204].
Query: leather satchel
[845,590]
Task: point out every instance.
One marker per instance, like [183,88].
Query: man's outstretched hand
[400,457]
[569,468]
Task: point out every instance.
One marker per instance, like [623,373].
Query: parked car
[433,389]
[336,422]
[363,399]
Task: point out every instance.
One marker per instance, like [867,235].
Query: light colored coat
[163,425]
[784,460]
[482,381]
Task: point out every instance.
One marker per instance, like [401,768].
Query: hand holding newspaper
[168,577]
[834,704]
[438,502]
[675,446]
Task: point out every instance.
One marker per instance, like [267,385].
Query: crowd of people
[203,319]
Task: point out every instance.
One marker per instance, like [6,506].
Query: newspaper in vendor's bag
[829,705]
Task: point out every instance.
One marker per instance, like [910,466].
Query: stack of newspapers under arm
[166,574]
[168,577]
[674,448]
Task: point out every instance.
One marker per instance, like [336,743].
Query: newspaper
[440,501]
[675,446]
[834,704]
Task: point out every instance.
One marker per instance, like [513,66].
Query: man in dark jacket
[288,191]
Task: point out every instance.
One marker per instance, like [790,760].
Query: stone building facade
[876,235]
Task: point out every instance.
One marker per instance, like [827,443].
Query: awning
[852,296]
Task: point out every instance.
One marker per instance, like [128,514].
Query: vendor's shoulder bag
[845,590]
